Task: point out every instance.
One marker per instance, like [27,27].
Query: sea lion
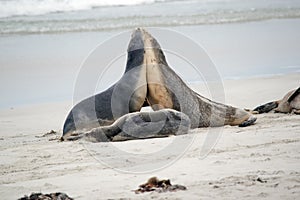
[290,103]
[167,90]
[139,125]
[99,110]
[148,80]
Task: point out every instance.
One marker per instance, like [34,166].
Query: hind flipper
[266,107]
[72,137]
[249,122]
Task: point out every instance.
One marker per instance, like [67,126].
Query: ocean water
[59,16]
[44,42]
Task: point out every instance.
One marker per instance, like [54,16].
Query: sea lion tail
[266,107]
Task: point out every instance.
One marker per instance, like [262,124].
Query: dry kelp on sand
[156,185]
[51,196]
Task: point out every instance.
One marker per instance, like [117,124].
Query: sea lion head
[140,43]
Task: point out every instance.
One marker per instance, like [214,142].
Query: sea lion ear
[293,96]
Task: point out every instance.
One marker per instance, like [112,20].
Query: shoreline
[197,86]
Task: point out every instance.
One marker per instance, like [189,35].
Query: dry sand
[267,151]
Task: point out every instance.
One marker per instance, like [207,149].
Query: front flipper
[72,137]
[265,108]
[248,122]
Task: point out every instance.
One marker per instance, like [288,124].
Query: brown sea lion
[290,103]
[148,80]
[167,90]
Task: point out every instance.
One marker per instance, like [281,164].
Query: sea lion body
[290,103]
[139,125]
[148,80]
[295,104]
[167,90]
[127,95]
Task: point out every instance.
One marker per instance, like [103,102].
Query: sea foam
[10,8]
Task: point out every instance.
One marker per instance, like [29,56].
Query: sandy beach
[267,151]
[254,46]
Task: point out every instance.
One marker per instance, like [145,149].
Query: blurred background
[44,42]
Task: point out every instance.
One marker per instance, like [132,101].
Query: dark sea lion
[139,125]
[290,103]
[97,110]
[148,80]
